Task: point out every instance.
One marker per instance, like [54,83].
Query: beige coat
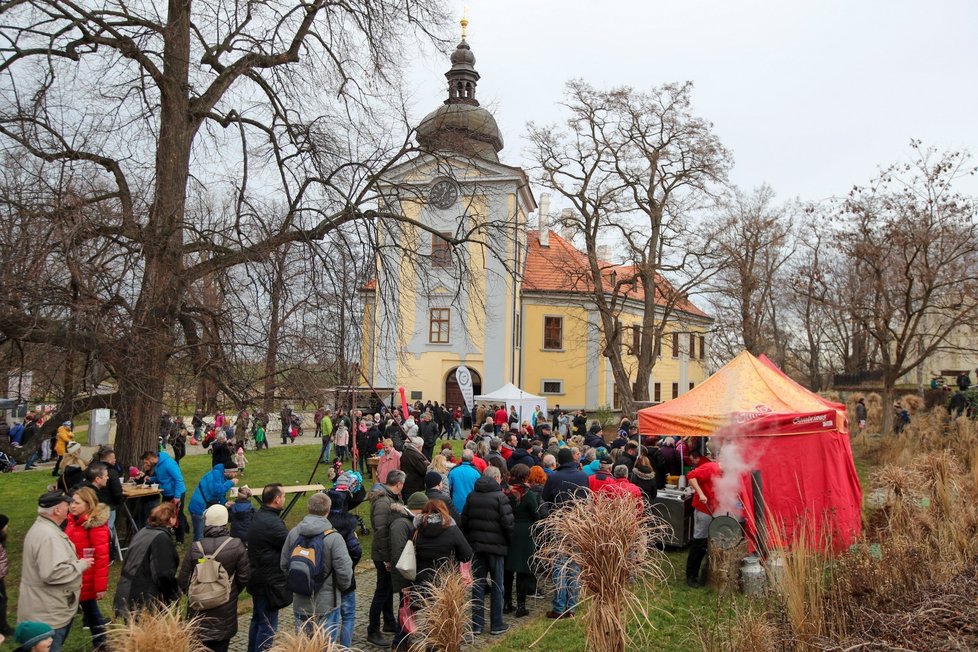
[51,577]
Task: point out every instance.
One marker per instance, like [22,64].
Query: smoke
[737,459]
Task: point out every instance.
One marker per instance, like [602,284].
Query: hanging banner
[464,379]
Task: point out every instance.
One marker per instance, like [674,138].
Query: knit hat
[432,479]
[417,500]
[216,515]
[29,633]
[74,447]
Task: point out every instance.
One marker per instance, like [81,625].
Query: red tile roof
[563,268]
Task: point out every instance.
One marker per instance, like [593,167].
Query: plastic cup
[88,553]
[155,486]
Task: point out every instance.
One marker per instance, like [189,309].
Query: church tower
[463,306]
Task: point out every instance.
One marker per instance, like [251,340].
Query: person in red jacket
[621,486]
[500,417]
[703,481]
[602,476]
[88,529]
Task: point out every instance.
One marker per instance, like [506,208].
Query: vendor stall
[510,395]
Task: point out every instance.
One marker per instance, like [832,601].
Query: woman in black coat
[149,573]
[437,541]
[644,477]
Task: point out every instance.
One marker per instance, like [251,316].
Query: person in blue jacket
[160,468]
[211,490]
[462,480]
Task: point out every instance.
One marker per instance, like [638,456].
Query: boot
[508,608]
[521,609]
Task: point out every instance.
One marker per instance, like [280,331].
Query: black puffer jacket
[520,456]
[487,520]
[266,536]
[435,545]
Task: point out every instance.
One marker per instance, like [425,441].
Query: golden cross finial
[465,21]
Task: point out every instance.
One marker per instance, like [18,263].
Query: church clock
[443,194]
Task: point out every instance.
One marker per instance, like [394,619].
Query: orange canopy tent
[797,439]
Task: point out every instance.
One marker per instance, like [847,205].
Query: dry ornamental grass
[152,630]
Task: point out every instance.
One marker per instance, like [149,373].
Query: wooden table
[296,490]
[133,492]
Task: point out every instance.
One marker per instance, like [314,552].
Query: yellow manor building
[521,313]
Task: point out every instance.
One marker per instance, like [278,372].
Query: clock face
[443,194]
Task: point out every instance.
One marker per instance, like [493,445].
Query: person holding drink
[88,529]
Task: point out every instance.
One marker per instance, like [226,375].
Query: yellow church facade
[500,302]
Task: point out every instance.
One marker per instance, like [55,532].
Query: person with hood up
[149,572]
[218,625]
[88,529]
[415,466]
[64,437]
[487,522]
[316,609]
[342,620]
[211,489]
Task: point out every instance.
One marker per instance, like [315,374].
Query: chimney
[543,217]
[567,225]
[604,253]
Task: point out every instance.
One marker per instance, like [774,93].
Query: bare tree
[636,167]
[756,240]
[133,106]
[914,240]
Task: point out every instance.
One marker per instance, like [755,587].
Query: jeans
[264,622]
[365,469]
[93,620]
[566,586]
[487,568]
[198,523]
[326,450]
[60,635]
[381,605]
[347,613]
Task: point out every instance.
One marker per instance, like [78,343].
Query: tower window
[441,253]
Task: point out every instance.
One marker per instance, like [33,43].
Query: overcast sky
[810,96]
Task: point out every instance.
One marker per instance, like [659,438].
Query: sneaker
[497,631]
[476,631]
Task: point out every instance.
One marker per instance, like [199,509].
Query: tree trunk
[886,427]
[274,326]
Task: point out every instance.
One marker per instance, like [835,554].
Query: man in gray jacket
[51,577]
[315,609]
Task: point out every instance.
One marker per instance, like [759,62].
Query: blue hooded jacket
[462,481]
[167,473]
[210,490]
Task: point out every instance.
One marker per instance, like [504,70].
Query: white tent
[511,395]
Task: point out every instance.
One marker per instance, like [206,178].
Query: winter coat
[382,501]
[566,483]
[622,487]
[462,480]
[393,432]
[434,494]
[92,531]
[168,475]
[861,412]
[599,479]
[149,573]
[672,461]
[487,519]
[402,529]
[242,514]
[415,467]
[221,622]
[221,455]
[210,490]
[520,456]
[389,461]
[435,545]
[111,493]
[368,446]
[50,576]
[339,567]
[342,437]
[526,511]
[266,537]
[346,524]
[428,431]
[645,482]
[64,435]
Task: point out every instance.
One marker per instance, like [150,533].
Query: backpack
[306,573]
[210,584]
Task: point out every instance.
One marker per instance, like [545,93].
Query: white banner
[464,379]
[20,384]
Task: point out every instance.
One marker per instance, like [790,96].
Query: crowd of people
[475,511]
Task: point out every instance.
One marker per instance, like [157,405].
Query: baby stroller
[296,426]
[7,463]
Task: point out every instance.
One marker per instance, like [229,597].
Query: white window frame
[431,322]
[544,381]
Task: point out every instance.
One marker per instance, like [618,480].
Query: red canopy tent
[797,439]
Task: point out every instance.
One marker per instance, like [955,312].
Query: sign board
[98,428]
[464,379]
